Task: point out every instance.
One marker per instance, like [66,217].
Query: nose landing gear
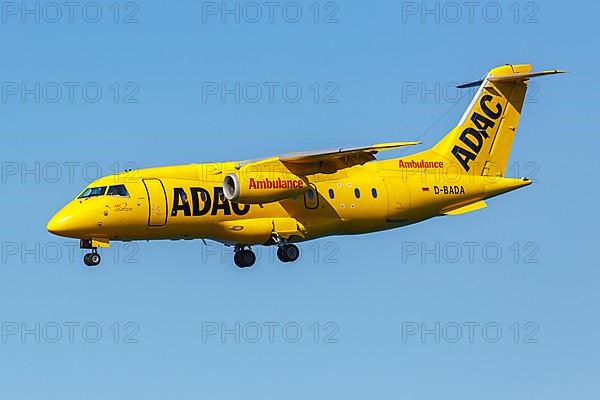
[92,259]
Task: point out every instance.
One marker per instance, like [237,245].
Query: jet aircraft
[291,198]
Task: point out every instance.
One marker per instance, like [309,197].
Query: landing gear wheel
[288,253]
[244,258]
[92,259]
[281,254]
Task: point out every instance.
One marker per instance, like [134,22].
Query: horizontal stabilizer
[466,209]
[522,77]
[470,84]
[511,77]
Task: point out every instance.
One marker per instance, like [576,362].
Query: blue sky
[81,99]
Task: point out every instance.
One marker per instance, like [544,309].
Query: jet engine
[259,188]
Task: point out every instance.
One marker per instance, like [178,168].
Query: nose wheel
[244,258]
[288,253]
[92,259]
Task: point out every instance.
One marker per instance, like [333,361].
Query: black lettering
[463,156]
[475,134]
[180,203]
[493,115]
[482,123]
[220,202]
[205,197]
[240,209]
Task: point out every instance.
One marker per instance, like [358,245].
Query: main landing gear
[92,259]
[244,258]
[288,253]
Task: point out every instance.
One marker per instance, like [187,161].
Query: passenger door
[398,199]
[157,202]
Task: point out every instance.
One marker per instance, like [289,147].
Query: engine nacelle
[257,188]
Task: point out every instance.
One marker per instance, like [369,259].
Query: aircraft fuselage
[187,202]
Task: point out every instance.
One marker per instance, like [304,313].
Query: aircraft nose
[62,223]
[57,224]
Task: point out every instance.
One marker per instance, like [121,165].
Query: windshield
[92,192]
[117,190]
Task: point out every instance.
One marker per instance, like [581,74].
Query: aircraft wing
[327,161]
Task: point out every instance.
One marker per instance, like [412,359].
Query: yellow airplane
[296,197]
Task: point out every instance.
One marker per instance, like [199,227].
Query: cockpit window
[117,190]
[92,192]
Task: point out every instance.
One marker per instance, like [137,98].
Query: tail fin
[482,140]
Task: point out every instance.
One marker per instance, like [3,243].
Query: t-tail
[481,142]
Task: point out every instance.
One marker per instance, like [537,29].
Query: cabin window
[357,193]
[310,194]
[374,193]
[93,192]
[331,194]
[117,190]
